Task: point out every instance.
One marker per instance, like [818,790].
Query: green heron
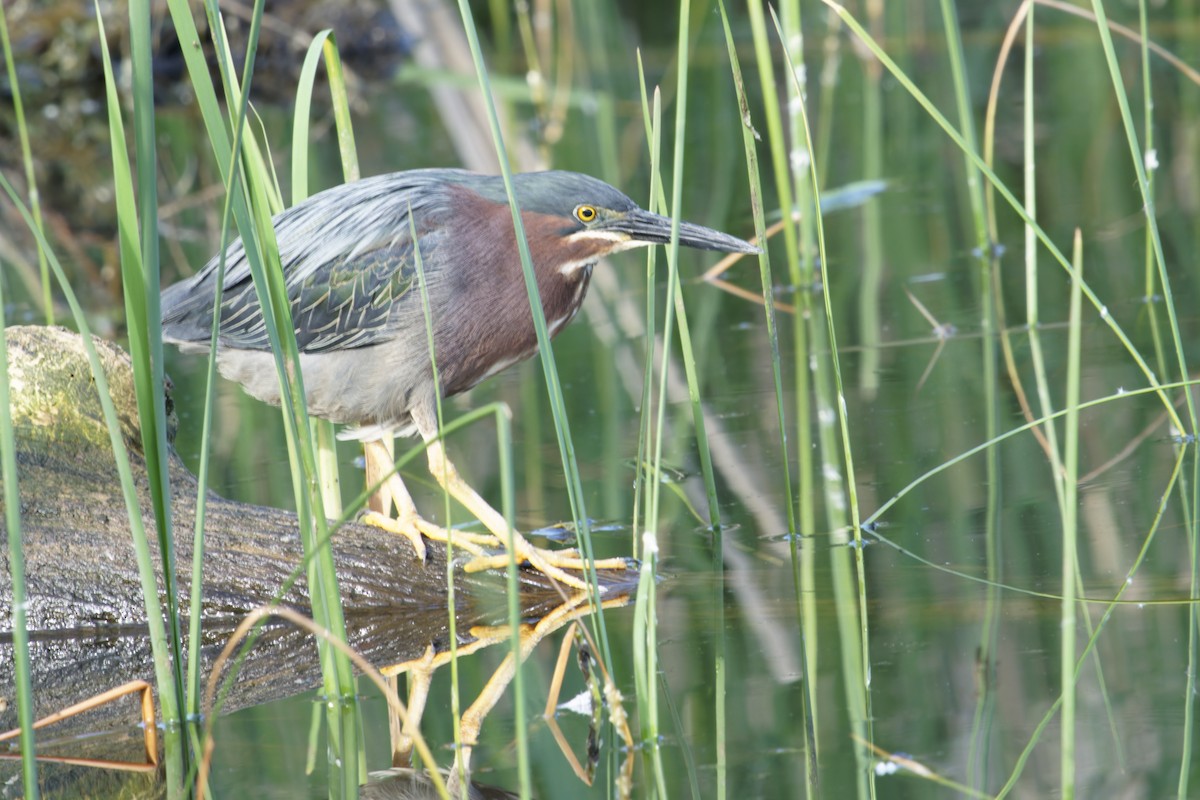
[348,260]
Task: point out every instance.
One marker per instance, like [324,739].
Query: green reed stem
[196,598]
[16,566]
[335,669]
[323,47]
[271,290]
[140,279]
[154,620]
[165,645]
[1190,684]
[1150,272]
[842,496]
[1138,157]
[799,255]
[981,724]
[451,594]
[554,389]
[549,368]
[1011,199]
[1070,558]
[35,200]
[1112,605]
[870,284]
[767,283]
[645,640]
[652,121]
[674,288]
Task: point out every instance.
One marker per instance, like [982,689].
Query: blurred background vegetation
[781,648]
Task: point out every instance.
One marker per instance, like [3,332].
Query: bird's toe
[406,528]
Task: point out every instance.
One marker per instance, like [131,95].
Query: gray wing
[348,261]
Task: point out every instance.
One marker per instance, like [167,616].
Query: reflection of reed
[744,478]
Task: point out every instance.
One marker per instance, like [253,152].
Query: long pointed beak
[644,226]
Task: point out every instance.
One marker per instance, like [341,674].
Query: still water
[762,664]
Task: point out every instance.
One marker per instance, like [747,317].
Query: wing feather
[348,261]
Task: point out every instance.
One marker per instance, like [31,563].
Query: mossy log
[85,609]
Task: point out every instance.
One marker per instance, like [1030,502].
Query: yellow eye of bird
[585,213]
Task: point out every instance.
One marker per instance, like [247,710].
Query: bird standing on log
[349,262]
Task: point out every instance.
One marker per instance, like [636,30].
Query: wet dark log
[85,607]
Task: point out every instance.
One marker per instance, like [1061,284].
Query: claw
[406,528]
[550,562]
[410,524]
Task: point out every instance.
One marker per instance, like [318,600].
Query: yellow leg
[420,677]
[407,522]
[380,462]
[549,562]
[529,636]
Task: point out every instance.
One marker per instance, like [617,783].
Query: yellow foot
[550,562]
[477,544]
[406,528]
[415,527]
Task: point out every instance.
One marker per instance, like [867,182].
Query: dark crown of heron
[583,213]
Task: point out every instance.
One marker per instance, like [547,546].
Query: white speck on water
[579,704]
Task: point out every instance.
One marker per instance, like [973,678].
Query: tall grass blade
[554,388]
[985,282]
[772,330]
[145,565]
[652,121]
[451,591]
[842,497]
[16,567]
[266,270]
[1070,559]
[1138,156]
[323,44]
[809,375]
[140,279]
[1013,202]
[35,199]
[164,642]
[645,623]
